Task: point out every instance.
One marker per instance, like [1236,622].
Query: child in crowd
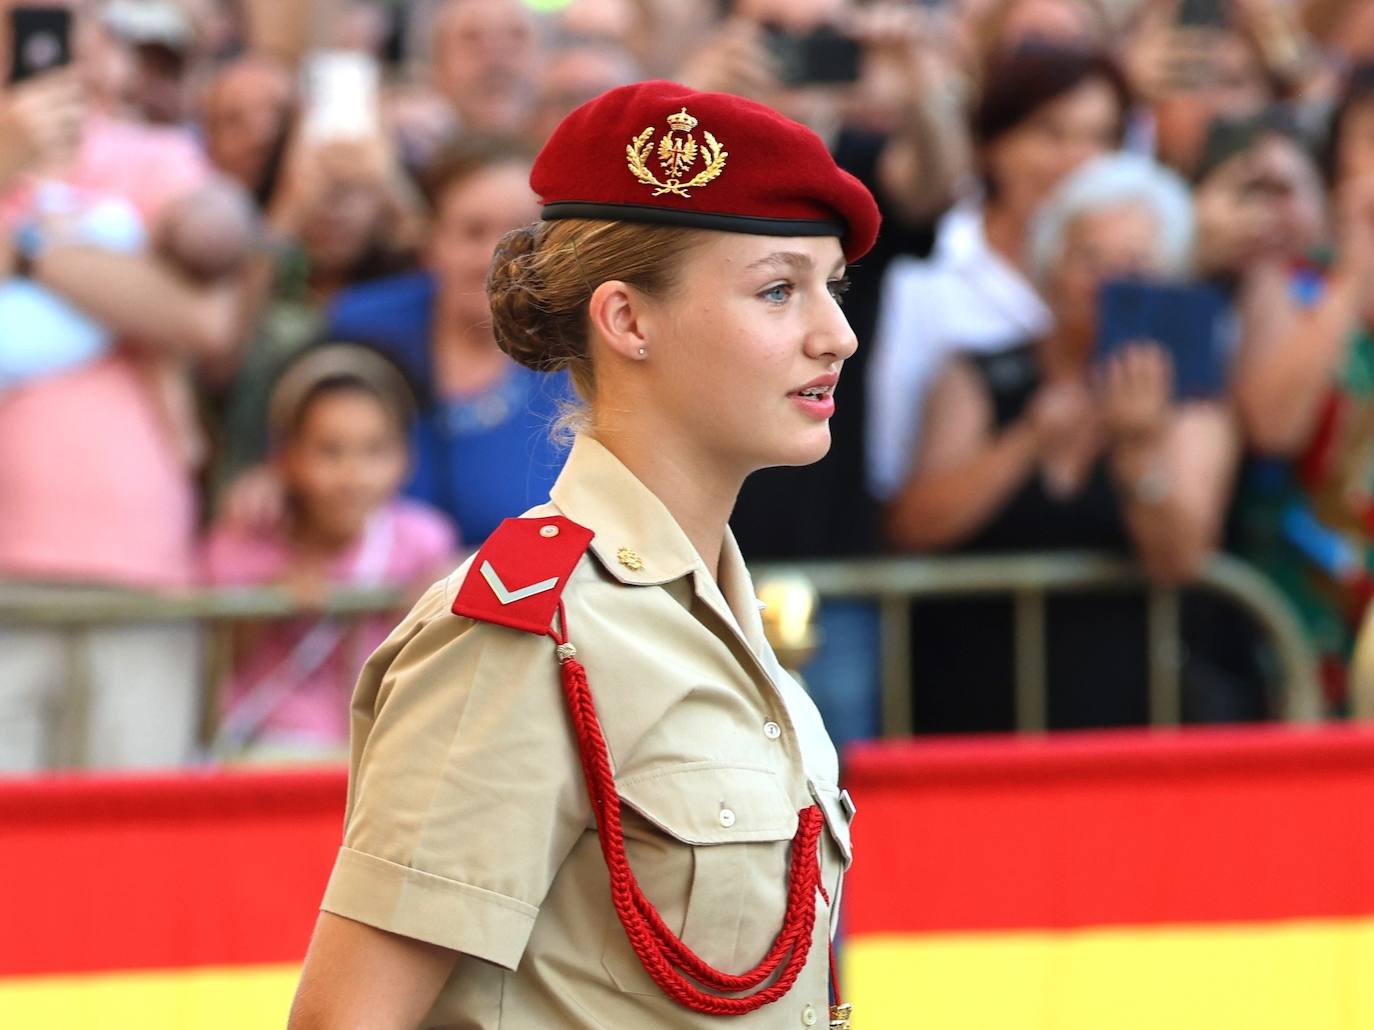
[338,417]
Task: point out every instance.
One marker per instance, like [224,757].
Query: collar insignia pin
[678,152]
[630,559]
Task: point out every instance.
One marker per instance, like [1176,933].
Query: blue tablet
[1188,320]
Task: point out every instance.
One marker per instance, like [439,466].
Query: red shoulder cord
[665,957]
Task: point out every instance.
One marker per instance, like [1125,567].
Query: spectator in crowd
[246,113]
[484,433]
[1189,75]
[1044,111]
[576,73]
[485,63]
[161,38]
[1304,390]
[339,419]
[1261,214]
[1032,449]
[109,436]
[337,219]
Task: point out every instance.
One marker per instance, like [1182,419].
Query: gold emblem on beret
[630,559]
[678,153]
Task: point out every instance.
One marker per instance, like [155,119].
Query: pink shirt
[92,485]
[146,165]
[297,682]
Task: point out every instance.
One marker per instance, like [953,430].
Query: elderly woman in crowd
[1039,447]
[1043,112]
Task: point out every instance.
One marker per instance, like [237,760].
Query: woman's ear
[617,313]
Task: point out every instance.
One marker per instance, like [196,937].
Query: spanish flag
[1186,880]
[180,902]
[1143,880]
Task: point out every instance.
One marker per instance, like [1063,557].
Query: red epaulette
[518,576]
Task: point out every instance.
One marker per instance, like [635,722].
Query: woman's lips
[820,407]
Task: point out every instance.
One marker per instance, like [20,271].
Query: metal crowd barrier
[893,583]
[74,608]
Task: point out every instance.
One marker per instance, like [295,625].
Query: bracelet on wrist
[1149,487]
[29,244]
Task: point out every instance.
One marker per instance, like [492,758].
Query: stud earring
[643,353]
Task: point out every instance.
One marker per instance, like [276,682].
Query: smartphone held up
[823,56]
[40,41]
[341,96]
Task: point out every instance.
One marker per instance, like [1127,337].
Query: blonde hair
[543,275]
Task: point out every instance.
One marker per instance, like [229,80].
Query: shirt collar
[640,543]
[735,587]
[637,538]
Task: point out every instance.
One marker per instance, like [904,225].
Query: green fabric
[1273,498]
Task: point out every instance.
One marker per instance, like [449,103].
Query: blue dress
[480,458]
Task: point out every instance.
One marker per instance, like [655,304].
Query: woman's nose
[831,337]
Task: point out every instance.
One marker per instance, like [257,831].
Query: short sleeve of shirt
[466,792]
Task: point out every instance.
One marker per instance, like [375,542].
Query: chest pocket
[709,845]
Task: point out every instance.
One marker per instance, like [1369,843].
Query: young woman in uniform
[583,793]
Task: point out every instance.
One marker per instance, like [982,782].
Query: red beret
[660,152]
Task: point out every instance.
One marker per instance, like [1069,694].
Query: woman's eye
[838,288]
[777,294]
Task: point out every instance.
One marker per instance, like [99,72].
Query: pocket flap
[838,809]
[712,803]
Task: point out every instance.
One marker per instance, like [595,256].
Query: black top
[825,510]
[1096,643]
[1033,520]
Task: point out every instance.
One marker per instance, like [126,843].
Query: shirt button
[808,1016]
[548,531]
[727,818]
[772,730]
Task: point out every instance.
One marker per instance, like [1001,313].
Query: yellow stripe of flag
[1312,975]
[224,998]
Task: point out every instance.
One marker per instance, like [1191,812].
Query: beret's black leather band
[752,224]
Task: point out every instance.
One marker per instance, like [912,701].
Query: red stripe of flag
[162,872]
[1119,828]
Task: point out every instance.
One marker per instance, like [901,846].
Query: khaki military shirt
[468,823]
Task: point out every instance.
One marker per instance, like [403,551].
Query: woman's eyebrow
[792,259]
[788,258]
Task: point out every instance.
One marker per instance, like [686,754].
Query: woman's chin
[805,448]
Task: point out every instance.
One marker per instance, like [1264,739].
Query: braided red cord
[663,954]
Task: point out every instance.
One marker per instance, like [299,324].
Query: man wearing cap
[583,791]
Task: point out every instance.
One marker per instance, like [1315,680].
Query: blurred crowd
[1122,301]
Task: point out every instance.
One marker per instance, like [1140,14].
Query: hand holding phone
[1136,386]
[40,124]
[1186,321]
